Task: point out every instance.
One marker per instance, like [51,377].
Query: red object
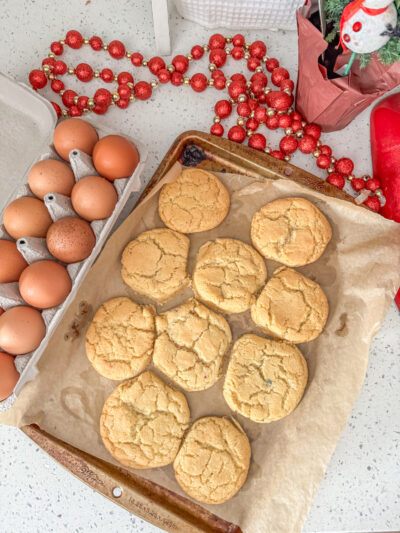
[74,111]
[57,109]
[59,68]
[336,179]
[235,89]
[260,77]
[286,84]
[57,86]
[271,64]
[156,64]
[181,63]
[260,113]
[288,145]
[136,59]
[107,75]
[220,83]
[116,49]
[68,98]
[50,61]
[279,100]
[124,77]
[277,154]
[197,52]
[82,102]
[358,184]
[257,141]
[176,78]
[217,129]
[74,39]
[102,98]
[198,82]
[216,41]
[325,149]
[124,91]
[296,125]
[314,130]
[237,52]
[307,144]
[278,75]
[272,123]
[237,134]
[323,161]
[373,203]
[84,72]
[217,74]
[397,299]
[258,49]
[223,108]
[238,40]
[37,79]
[143,90]
[164,75]
[252,124]
[239,77]
[243,109]
[344,166]
[357,26]
[96,43]
[57,48]
[372,184]
[284,121]
[253,63]
[123,103]
[218,57]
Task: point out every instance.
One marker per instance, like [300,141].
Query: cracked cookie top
[191,344]
[213,461]
[291,307]
[227,275]
[265,379]
[143,422]
[290,230]
[195,201]
[120,339]
[155,264]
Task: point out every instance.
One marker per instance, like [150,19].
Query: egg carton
[35,249]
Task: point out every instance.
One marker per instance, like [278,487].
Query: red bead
[238,40]
[216,41]
[272,123]
[252,124]
[100,109]
[314,130]
[223,108]
[237,134]
[123,103]
[107,75]
[220,83]
[271,64]
[243,109]
[237,52]
[84,72]
[74,111]
[181,64]
[307,144]
[278,75]
[373,203]
[116,49]
[285,121]
[344,166]
[82,102]
[286,84]
[198,82]
[96,43]
[50,61]
[358,184]
[257,88]
[253,63]
[38,79]
[323,161]
[176,78]
[102,97]
[325,149]
[136,59]
[68,98]
[59,67]
[164,75]
[57,86]
[296,125]
[124,77]
[57,48]
[124,91]
[217,74]
[260,77]
[372,184]
[277,154]
[217,129]
[74,39]
[57,109]
[336,179]
[156,64]
[262,98]
[143,90]
[197,52]
[235,89]
[258,49]
[258,141]
[239,77]
[218,57]
[253,104]
[260,114]
[279,100]
[288,144]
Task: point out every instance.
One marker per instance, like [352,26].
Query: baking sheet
[359,273]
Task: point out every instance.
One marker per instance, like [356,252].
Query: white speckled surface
[361,488]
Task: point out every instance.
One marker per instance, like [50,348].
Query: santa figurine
[367,25]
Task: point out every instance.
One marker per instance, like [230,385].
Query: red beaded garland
[198,82]
[74,111]
[288,144]
[156,64]
[253,63]
[260,113]
[323,161]
[252,124]
[68,98]
[181,63]
[136,59]
[124,77]
[122,103]
[102,97]
[217,74]
[277,154]
[116,49]
[107,75]
[197,52]
[176,78]
[285,121]
[57,86]
[74,39]
[258,141]
[272,123]
[372,184]
[218,57]
[373,203]
[344,166]
[223,108]
[336,179]
[237,53]
[164,75]
[38,79]
[57,48]
[271,64]
[217,129]
[96,43]
[216,41]
[243,109]
[235,89]
[143,90]
[358,184]
[279,100]
[59,68]
[307,144]
[296,125]
[82,102]
[124,91]
[237,134]
[286,84]
[57,109]
[314,130]
[259,77]
[238,40]
[84,72]
[240,78]
[258,49]
[325,149]
[278,75]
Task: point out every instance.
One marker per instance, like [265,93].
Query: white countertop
[361,488]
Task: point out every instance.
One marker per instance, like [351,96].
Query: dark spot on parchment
[79,322]
[342,330]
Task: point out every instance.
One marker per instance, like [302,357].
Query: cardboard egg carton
[30,108]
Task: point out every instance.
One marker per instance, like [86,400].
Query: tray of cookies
[209,379]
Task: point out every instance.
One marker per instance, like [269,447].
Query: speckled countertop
[361,488]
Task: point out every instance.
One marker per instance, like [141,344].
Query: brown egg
[115,157]
[21,330]
[74,133]
[11,262]
[45,284]
[8,375]
[94,198]
[70,240]
[51,175]
[26,217]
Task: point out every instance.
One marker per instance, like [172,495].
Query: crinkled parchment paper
[359,272]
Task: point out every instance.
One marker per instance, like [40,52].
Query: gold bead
[211,82]
[96,74]
[71,70]
[241,98]
[61,92]
[170,68]
[330,170]
[130,84]
[287,91]
[317,153]
[154,84]
[61,41]
[287,158]
[128,55]
[112,102]
[288,131]
[115,96]
[232,101]
[281,112]
[186,82]
[52,55]
[211,67]
[290,110]
[248,84]
[319,143]
[265,59]
[115,77]
[144,62]
[350,177]
[247,55]
[378,193]
[299,134]
[216,120]
[86,110]
[51,76]
[91,103]
[270,112]
[249,133]
[132,98]
[333,160]
[252,114]
[366,177]
[267,90]
[247,46]
[189,56]
[227,51]
[46,68]
[205,48]
[303,124]
[75,100]
[105,46]
[240,121]
[228,39]
[259,69]
[228,82]
[85,41]
[64,113]
[267,150]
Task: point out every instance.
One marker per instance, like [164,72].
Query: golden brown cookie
[190,345]
[227,275]
[143,422]
[120,339]
[214,460]
[155,264]
[291,307]
[195,201]
[265,379]
[290,230]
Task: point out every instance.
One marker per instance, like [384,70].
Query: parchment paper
[359,272]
